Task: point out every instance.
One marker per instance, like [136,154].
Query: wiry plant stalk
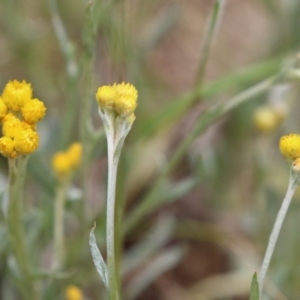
[293,184]
[17,173]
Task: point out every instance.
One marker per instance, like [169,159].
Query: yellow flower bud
[126,99]
[73,293]
[289,146]
[11,125]
[266,119]
[106,96]
[7,147]
[26,141]
[74,153]
[61,163]
[16,94]
[33,111]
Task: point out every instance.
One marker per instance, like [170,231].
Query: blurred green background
[201,178]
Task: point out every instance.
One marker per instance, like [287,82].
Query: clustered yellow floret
[19,113]
[64,162]
[289,146]
[121,98]
[73,293]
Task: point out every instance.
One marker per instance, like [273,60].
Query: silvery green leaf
[98,259]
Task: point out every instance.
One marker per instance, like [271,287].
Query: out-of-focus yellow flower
[33,111]
[7,147]
[289,146]
[106,97]
[63,163]
[73,293]
[120,97]
[16,94]
[266,119]
[75,153]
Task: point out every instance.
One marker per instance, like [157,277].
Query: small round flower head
[26,141]
[61,163]
[74,153]
[7,147]
[289,146]
[16,94]
[3,109]
[106,97]
[33,111]
[73,293]
[265,119]
[11,125]
[126,99]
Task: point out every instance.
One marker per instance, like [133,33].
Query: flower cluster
[19,113]
[118,98]
[64,162]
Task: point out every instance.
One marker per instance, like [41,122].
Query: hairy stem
[17,173]
[113,159]
[293,184]
[59,238]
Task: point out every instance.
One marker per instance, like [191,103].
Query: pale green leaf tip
[254,293]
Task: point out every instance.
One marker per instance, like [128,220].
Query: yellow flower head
[120,97]
[289,146]
[73,293]
[3,109]
[106,96]
[26,141]
[74,153]
[126,99]
[11,125]
[33,111]
[266,119]
[63,163]
[16,94]
[7,147]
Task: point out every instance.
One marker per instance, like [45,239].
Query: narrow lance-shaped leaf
[254,293]
[98,259]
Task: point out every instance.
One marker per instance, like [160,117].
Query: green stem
[59,238]
[208,39]
[293,184]
[17,173]
[113,159]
